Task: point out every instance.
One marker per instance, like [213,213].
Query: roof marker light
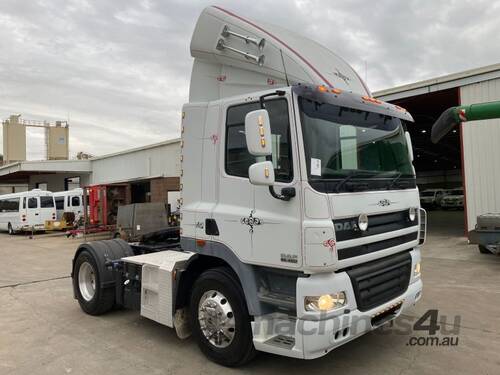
[336,91]
[371,100]
[322,88]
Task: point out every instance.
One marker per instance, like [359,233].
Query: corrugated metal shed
[466,77]
[481,153]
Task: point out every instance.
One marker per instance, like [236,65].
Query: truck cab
[338,162]
[300,224]
[331,211]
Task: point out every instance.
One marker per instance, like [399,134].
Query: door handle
[36,214]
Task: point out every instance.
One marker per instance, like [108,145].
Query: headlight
[416,271]
[412,213]
[363,222]
[326,302]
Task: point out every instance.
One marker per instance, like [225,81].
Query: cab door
[258,228]
[234,192]
[276,236]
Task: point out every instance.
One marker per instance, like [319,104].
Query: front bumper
[312,335]
[320,337]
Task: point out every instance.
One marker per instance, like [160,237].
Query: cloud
[120,69]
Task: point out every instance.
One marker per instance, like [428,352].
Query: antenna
[284,67]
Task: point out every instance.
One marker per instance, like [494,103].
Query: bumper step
[281,341]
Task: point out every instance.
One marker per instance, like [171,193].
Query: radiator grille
[380,281]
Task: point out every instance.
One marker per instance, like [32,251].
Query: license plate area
[385,315]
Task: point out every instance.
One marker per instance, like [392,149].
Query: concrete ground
[43,330]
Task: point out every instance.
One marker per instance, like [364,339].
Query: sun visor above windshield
[341,98]
[235,56]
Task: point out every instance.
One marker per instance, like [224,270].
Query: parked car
[431,198]
[454,199]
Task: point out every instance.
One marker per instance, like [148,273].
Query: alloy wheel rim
[216,318]
[87,281]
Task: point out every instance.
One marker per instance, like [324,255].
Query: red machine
[103,202]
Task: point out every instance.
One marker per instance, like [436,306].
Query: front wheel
[219,318]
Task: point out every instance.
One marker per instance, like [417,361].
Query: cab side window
[237,157]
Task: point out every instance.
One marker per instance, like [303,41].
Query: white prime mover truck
[300,215]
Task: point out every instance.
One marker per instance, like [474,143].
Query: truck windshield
[351,150]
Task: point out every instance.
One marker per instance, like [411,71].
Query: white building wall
[481,153]
[162,160]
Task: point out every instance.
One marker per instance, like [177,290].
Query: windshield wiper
[352,175]
[394,180]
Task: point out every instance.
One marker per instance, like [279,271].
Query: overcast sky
[119,70]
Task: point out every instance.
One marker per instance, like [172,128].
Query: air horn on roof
[257,59]
[248,39]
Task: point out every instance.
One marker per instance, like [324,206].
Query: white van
[69,201]
[26,211]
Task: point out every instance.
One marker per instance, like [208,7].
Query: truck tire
[484,250]
[93,299]
[219,318]
[10,229]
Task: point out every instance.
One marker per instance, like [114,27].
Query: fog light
[416,271]
[363,222]
[326,302]
[412,213]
